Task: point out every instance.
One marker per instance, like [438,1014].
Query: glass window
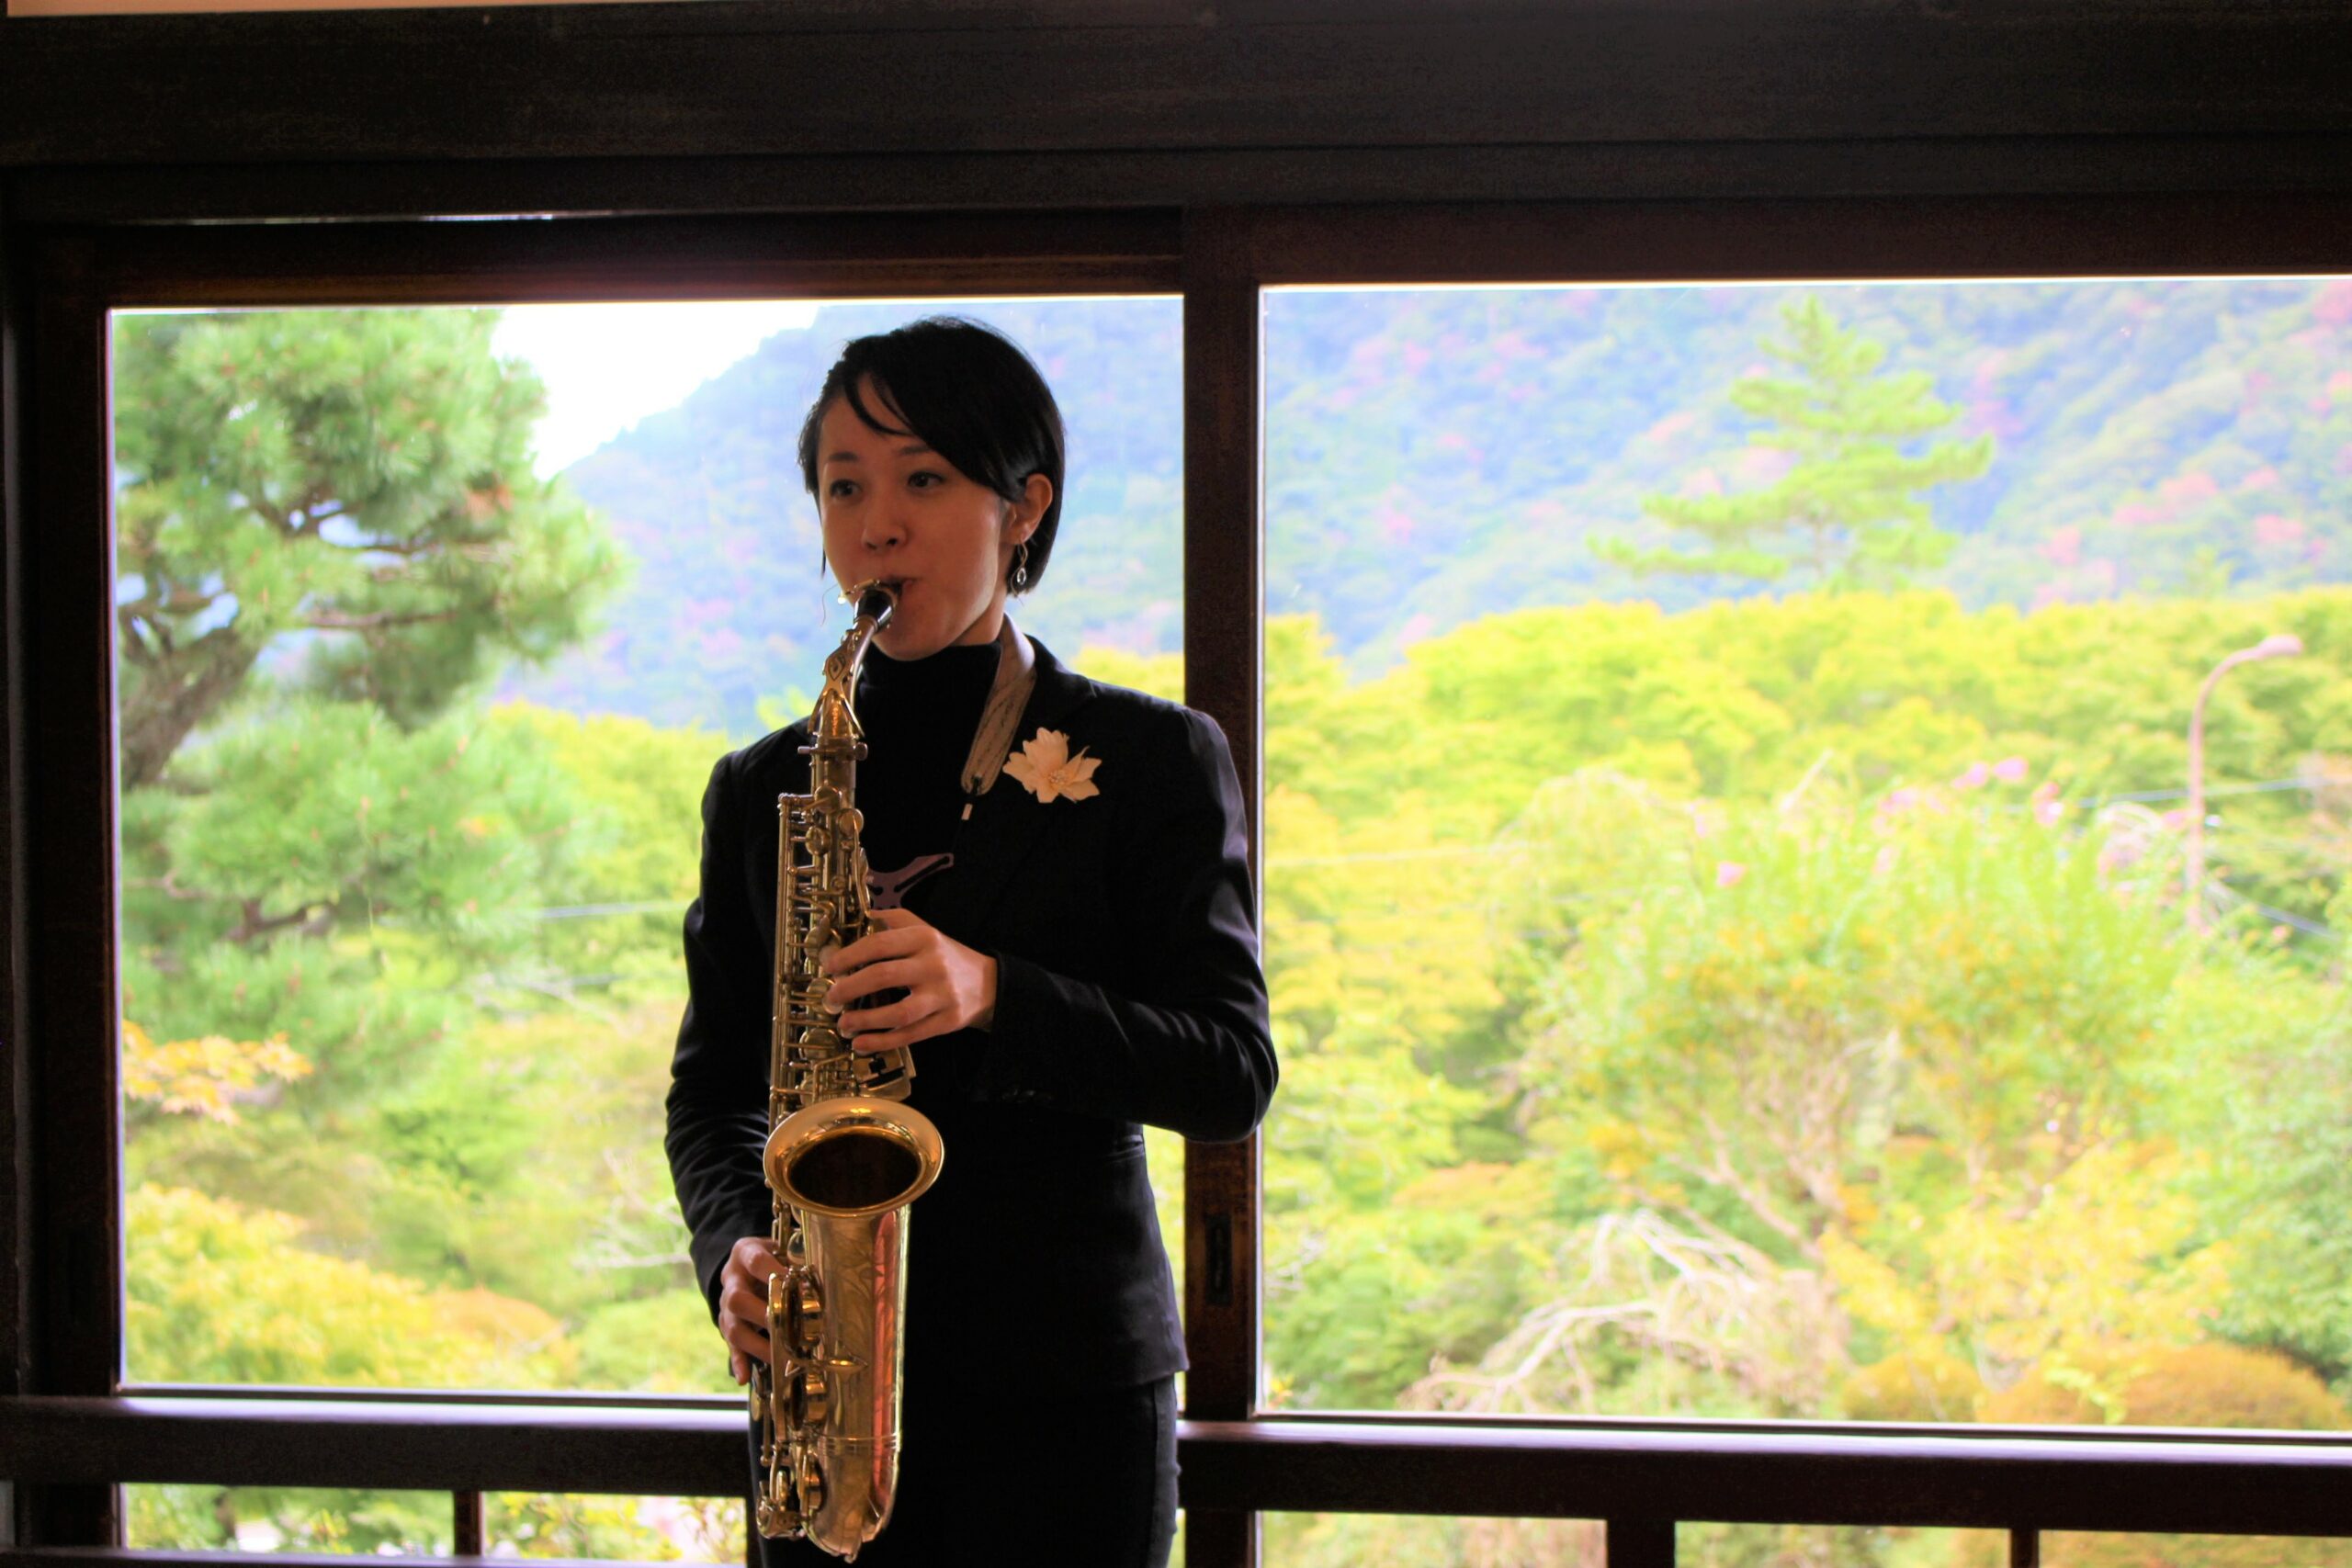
[2070,1550]
[1749,933]
[431,625]
[288,1518]
[378,1523]
[1409,1540]
[1404,1540]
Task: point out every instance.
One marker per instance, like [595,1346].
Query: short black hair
[968,393]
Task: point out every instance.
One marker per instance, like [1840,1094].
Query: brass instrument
[844,1160]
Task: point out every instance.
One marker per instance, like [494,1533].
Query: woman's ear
[1036,494]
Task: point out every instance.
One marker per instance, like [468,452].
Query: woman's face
[892,509]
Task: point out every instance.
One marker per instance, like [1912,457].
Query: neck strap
[1016,675]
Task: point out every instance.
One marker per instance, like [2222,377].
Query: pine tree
[329,541]
[354,485]
[1847,512]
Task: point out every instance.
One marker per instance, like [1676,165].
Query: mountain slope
[1437,456]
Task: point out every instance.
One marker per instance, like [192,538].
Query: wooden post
[1224,590]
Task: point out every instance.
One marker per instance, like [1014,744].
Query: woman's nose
[882,528]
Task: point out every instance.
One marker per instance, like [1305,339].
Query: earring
[1020,566]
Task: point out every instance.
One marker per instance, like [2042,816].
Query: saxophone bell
[848,1158]
[849,1168]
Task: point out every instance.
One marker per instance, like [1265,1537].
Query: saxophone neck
[835,717]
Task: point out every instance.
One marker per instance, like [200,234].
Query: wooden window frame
[72,1430]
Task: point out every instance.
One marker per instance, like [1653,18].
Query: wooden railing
[1641,1478]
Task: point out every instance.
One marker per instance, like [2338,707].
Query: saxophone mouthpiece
[876,600]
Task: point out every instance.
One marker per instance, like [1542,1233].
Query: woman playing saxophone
[1063,945]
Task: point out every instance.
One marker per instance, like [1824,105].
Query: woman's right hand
[743,1302]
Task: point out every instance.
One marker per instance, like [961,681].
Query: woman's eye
[840,488]
[924,478]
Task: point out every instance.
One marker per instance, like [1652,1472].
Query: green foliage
[320,847]
[1865,692]
[657,1344]
[360,479]
[292,1519]
[2270,1100]
[1161,674]
[326,813]
[339,868]
[1684,1014]
[329,539]
[528,1162]
[611,908]
[221,1293]
[1844,505]
[2179,1385]
[517,1523]
[642,1530]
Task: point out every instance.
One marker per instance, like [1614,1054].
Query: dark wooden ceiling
[786,105]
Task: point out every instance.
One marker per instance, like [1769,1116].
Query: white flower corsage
[1047,771]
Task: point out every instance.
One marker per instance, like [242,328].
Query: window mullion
[1223,614]
[63,851]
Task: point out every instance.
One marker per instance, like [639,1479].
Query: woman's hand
[948,985]
[743,1302]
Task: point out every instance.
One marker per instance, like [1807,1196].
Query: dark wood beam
[16,1078]
[66,717]
[1224,604]
[1640,1544]
[788,77]
[398,1445]
[64,1016]
[1145,176]
[1636,1476]
[1958,237]
[1629,1475]
[828,257]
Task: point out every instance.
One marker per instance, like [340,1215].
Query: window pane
[1410,1540]
[1823,1546]
[1728,814]
[1372,1541]
[432,625]
[288,1518]
[637,1530]
[2068,1550]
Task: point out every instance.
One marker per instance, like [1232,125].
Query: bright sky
[606,367]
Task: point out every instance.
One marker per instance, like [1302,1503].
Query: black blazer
[1128,991]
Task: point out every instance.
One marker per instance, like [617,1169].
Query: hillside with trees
[730,608]
[2148,437]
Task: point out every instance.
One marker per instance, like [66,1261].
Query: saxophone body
[844,1160]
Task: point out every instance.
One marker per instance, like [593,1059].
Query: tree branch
[406,548]
[338,621]
[180,692]
[255,923]
[1723,1174]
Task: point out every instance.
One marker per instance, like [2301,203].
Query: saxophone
[844,1160]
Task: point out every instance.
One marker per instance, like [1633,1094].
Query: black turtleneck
[918,718]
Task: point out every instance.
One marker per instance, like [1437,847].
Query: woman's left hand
[948,985]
